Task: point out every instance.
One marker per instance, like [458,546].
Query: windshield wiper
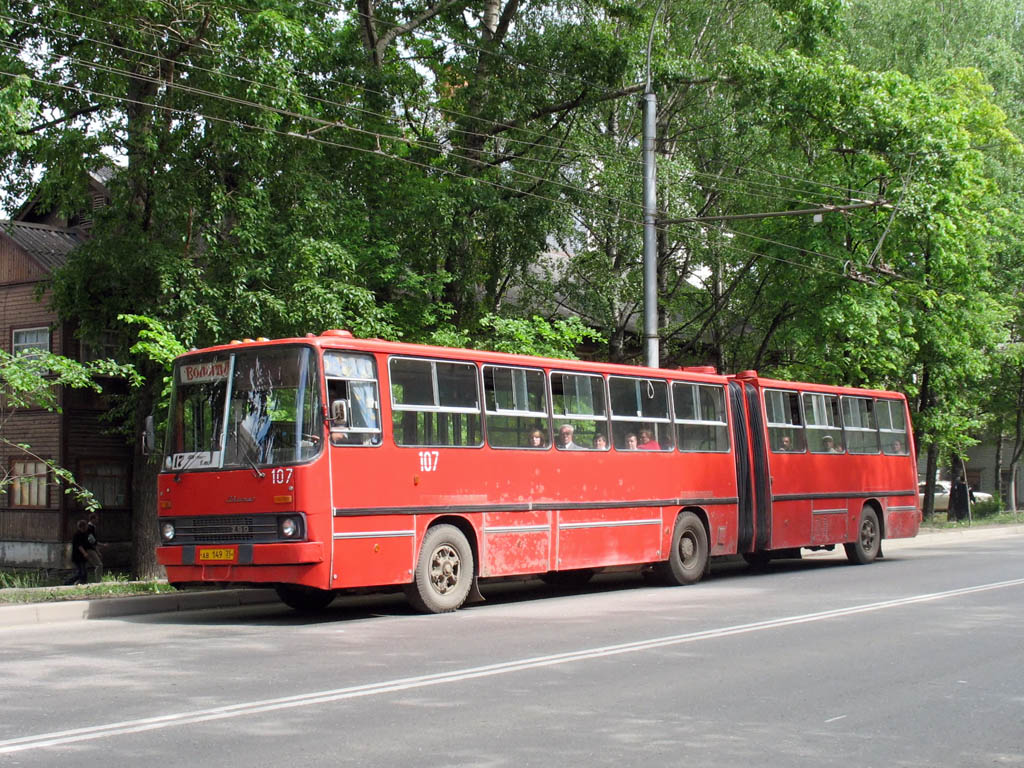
[185,465]
[251,461]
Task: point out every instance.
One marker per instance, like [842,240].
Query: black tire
[865,548]
[444,571]
[304,599]
[757,560]
[688,557]
[568,579]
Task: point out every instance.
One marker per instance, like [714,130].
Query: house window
[107,481]
[28,487]
[25,339]
[102,348]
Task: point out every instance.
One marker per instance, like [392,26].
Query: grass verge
[45,587]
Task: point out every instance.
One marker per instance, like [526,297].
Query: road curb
[28,614]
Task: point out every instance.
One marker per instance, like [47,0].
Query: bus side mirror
[149,437]
[339,413]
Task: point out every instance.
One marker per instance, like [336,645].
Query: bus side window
[859,425]
[640,414]
[516,406]
[435,402]
[352,399]
[785,425]
[892,426]
[701,423]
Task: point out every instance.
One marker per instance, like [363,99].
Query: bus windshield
[251,408]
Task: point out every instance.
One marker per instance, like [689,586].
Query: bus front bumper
[290,553]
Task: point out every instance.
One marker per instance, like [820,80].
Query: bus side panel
[373,550]
[594,538]
[902,517]
[791,524]
[516,542]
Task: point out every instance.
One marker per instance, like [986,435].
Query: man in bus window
[631,442]
[565,433]
[600,442]
[828,445]
[786,444]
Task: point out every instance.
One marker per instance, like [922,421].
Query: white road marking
[57,738]
[833,719]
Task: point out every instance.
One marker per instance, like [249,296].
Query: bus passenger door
[369,547]
[759,462]
[741,452]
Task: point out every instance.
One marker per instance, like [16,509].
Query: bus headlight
[167,531]
[290,527]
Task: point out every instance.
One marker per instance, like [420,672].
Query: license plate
[219,555]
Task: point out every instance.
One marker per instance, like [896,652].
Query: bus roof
[344,340]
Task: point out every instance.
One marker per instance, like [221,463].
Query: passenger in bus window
[786,444]
[565,433]
[536,439]
[828,445]
[897,447]
[631,443]
[647,441]
[600,442]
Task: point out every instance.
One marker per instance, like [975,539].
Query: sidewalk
[22,614]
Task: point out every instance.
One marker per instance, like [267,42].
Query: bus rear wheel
[688,557]
[304,599]
[864,549]
[444,571]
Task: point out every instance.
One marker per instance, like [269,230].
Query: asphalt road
[917,660]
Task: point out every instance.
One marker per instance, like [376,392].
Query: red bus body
[359,505]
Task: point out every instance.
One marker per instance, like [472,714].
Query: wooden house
[36,517]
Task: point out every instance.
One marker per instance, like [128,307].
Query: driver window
[353,405]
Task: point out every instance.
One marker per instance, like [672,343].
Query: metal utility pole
[650,214]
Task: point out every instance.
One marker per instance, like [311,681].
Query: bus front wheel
[444,571]
[688,557]
[865,547]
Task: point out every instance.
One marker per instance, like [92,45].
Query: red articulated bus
[329,463]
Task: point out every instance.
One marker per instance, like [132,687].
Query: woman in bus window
[647,441]
[536,439]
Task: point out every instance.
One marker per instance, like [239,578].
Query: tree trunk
[997,481]
[1011,488]
[144,513]
[931,465]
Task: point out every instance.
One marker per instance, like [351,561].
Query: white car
[942,495]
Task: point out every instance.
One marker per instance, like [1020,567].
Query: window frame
[516,413]
[23,347]
[16,479]
[860,430]
[436,407]
[375,381]
[639,418]
[884,432]
[797,429]
[677,419]
[124,478]
[557,419]
[824,429]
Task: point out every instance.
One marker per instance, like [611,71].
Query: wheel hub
[444,569]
